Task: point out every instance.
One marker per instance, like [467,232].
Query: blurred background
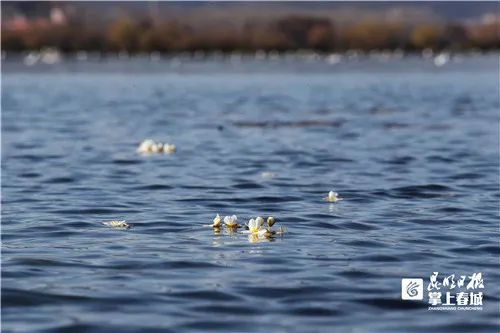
[247,27]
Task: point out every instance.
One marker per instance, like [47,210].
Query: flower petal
[263,233]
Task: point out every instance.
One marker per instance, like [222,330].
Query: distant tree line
[285,34]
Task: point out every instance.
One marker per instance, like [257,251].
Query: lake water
[412,148]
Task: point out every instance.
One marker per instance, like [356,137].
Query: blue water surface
[412,148]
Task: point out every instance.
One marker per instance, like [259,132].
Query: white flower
[231,221]
[150,146]
[216,221]
[255,225]
[117,224]
[281,231]
[333,197]
[268,174]
[146,146]
[253,238]
[264,233]
[251,225]
[259,220]
[255,228]
[169,148]
[157,147]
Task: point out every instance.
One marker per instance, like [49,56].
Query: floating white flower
[250,226]
[117,224]
[255,225]
[333,197]
[146,146]
[257,229]
[217,222]
[231,221]
[264,233]
[259,220]
[281,231]
[150,146]
[253,238]
[169,148]
[268,174]
[157,148]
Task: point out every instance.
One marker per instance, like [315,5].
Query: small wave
[283,292]
[439,159]
[227,309]
[126,162]
[18,297]
[490,249]
[314,311]
[464,326]
[467,175]
[36,158]
[276,199]
[247,185]
[419,191]
[356,274]
[93,211]
[40,262]
[152,187]
[365,244]
[208,295]
[60,180]
[325,225]
[379,258]
[452,209]
[391,304]
[289,124]
[394,125]
[358,226]
[29,175]
[403,160]
[217,325]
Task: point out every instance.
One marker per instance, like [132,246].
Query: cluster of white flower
[256,228]
[150,146]
[118,224]
[332,197]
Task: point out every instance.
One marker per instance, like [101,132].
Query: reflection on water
[411,148]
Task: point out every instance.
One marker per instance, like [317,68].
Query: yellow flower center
[254,229]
